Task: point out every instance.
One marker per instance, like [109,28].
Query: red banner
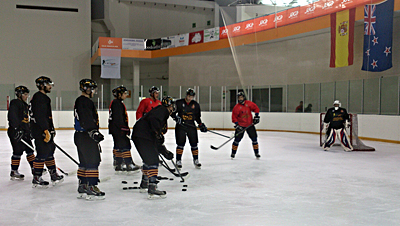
[264,23]
[248,27]
[223,32]
[110,43]
[196,37]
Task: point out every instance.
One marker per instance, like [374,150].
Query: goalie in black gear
[149,142]
[335,123]
[187,112]
[43,132]
[87,139]
[18,120]
[118,127]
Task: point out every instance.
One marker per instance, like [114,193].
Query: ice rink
[294,183]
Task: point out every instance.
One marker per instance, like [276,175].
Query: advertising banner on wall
[110,43]
[248,27]
[153,44]
[211,34]
[133,44]
[182,40]
[110,63]
[168,42]
[196,37]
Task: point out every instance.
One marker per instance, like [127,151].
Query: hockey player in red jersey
[118,127]
[242,118]
[87,139]
[43,132]
[19,129]
[149,103]
[335,123]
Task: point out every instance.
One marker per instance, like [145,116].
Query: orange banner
[110,43]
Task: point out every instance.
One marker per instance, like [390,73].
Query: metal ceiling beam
[189,3]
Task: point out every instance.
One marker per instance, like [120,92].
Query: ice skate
[93,193]
[153,193]
[196,163]
[232,156]
[132,168]
[144,184]
[38,181]
[82,191]
[258,156]
[15,175]
[55,178]
[179,164]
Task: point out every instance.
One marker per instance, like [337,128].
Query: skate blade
[197,167]
[132,172]
[54,183]
[40,186]
[153,196]
[143,190]
[16,178]
[81,196]
[93,197]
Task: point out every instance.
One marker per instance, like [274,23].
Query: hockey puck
[131,188]
[125,188]
[124,182]
[135,182]
[185,186]
[171,178]
[184,189]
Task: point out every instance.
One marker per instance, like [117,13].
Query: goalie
[335,123]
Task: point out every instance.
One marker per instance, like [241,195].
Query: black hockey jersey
[189,112]
[86,117]
[41,115]
[118,118]
[151,123]
[18,118]
[336,118]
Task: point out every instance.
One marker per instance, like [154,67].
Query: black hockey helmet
[119,90]
[241,94]
[19,90]
[153,89]
[190,92]
[87,84]
[168,101]
[42,81]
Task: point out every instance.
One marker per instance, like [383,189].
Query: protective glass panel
[311,99]
[389,95]
[295,98]
[327,95]
[371,96]
[355,96]
[341,93]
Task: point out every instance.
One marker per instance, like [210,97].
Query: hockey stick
[184,124]
[29,146]
[216,148]
[65,153]
[179,174]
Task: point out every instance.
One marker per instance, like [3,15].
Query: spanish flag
[342,38]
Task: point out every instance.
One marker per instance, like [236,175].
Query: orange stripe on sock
[179,151]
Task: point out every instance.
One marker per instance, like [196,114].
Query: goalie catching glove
[96,136]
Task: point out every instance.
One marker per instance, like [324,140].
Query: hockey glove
[178,119]
[160,138]
[203,128]
[256,119]
[18,135]
[238,128]
[347,124]
[47,136]
[96,136]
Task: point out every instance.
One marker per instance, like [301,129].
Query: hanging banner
[196,37]
[133,44]
[110,63]
[168,42]
[153,44]
[182,40]
[211,34]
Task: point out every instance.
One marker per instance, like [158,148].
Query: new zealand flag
[378,35]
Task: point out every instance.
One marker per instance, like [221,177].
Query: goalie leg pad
[345,141]
[330,140]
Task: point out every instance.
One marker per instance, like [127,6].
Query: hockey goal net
[352,131]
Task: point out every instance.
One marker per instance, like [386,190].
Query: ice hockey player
[188,111]
[118,127]
[149,142]
[149,103]
[335,123]
[87,139]
[42,129]
[18,120]
[242,118]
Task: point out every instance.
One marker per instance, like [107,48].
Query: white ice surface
[294,183]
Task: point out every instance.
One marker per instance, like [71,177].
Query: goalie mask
[118,91]
[337,104]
